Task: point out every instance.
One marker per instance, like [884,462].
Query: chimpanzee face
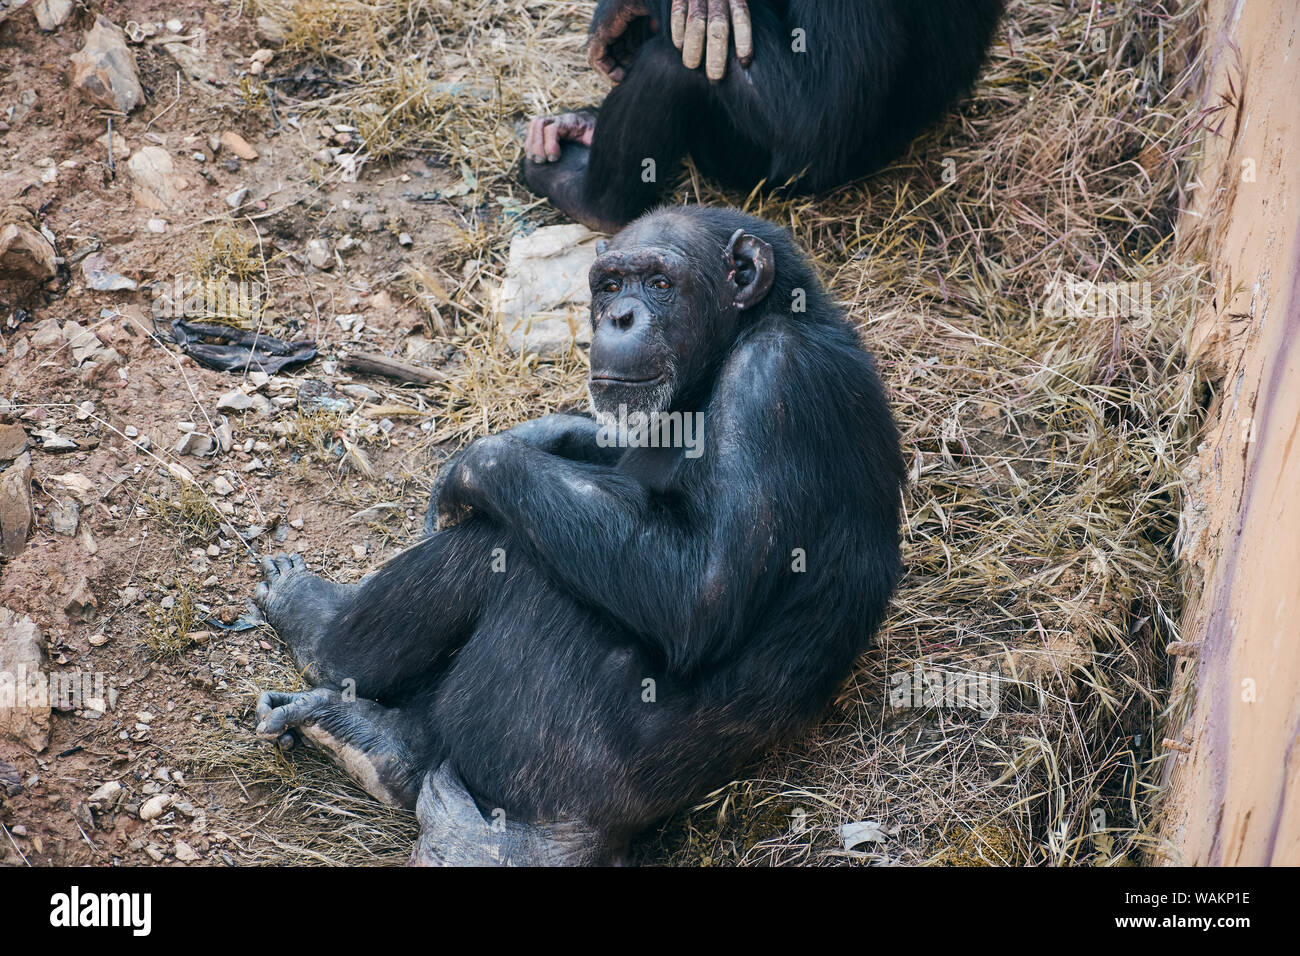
[646,315]
[666,296]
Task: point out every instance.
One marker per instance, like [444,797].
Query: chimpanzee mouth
[627,382]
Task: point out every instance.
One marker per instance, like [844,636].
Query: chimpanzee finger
[677,22]
[696,28]
[719,33]
[744,31]
[551,141]
[533,139]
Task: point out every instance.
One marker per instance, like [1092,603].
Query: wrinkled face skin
[651,318]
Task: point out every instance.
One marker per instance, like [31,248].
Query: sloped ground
[1046,432]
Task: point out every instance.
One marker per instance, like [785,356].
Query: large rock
[24,687]
[24,252]
[104,69]
[543,303]
[16,516]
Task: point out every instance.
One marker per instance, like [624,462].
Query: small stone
[121,152]
[107,794]
[98,640]
[318,254]
[25,253]
[65,517]
[156,806]
[101,278]
[361,393]
[51,14]
[154,852]
[185,853]
[153,183]
[83,604]
[48,334]
[157,226]
[234,401]
[195,443]
[16,515]
[359,552]
[13,441]
[22,651]
[236,199]
[130,431]
[222,486]
[54,443]
[104,68]
[317,396]
[404,239]
[238,145]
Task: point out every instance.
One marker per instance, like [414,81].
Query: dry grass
[1045,448]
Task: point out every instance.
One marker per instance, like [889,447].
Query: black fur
[623,565]
[874,73]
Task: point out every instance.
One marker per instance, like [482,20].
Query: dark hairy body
[598,634]
[832,91]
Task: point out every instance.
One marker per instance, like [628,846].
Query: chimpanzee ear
[753,267]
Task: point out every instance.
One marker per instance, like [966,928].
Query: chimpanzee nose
[623,315]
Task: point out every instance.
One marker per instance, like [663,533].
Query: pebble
[236,198]
[318,254]
[404,239]
[155,807]
[234,401]
[238,145]
[157,226]
[222,486]
[185,853]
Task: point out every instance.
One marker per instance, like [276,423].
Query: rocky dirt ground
[130,569]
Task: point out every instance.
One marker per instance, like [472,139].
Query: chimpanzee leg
[454,832]
[398,625]
[641,135]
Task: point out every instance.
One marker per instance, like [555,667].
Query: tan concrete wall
[1234,797]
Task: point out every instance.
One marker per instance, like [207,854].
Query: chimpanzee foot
[454,832]
[301,607]
[378,747]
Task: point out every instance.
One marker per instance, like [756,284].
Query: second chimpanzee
[816,93]
[613,620]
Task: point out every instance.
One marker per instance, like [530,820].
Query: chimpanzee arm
[679,574]
[572,437]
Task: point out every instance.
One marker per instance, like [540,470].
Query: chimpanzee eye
[661,283]
[611,285]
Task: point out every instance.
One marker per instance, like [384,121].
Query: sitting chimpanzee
[817,93]
[612,621]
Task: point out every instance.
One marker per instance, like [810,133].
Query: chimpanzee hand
[610,49]
[698,36]
[452,497]
[573,437]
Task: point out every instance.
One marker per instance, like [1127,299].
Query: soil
[152,587]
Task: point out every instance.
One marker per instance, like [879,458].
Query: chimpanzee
[617,613]
[815,94]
